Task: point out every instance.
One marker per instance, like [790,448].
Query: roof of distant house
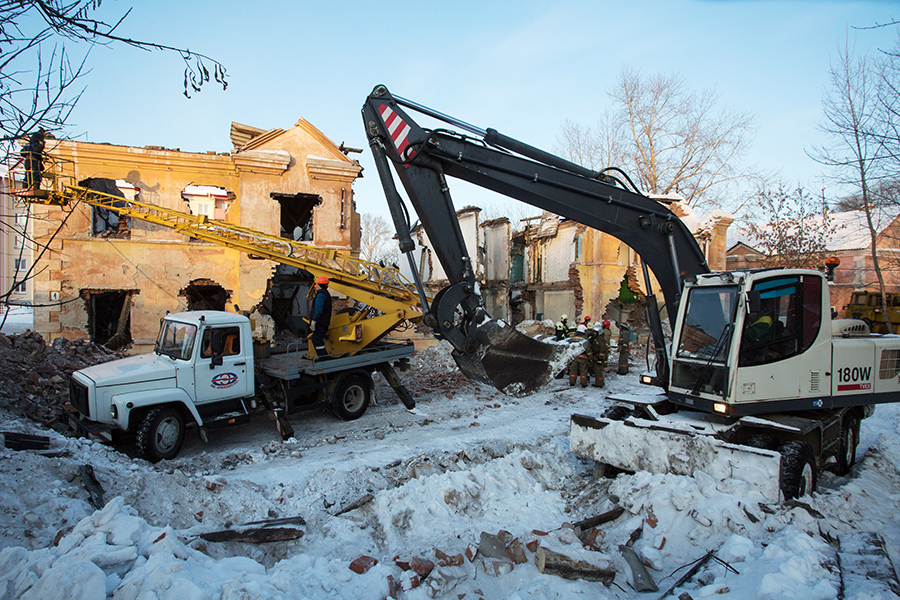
[850,229]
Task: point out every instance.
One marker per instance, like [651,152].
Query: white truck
[206,370]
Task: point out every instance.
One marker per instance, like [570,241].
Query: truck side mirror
[215,361]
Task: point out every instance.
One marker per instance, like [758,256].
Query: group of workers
[596,352]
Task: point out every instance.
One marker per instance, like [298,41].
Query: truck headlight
[720,408]
[114,411]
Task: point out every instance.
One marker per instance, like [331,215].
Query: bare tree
[855,120]
[44,47]
[667,137]
[44,50]
[791,228]
[375,239]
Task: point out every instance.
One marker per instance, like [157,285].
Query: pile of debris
[35,375]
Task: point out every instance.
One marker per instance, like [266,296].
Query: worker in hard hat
[321,316]
[562,327]
[581,366]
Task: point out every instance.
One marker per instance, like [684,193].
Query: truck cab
[201,369]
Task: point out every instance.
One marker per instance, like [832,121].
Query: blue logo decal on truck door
[224,381]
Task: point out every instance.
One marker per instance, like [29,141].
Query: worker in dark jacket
[33,153]
[562,328]
[581,366]
[599,353]
[625,339]
[321,316]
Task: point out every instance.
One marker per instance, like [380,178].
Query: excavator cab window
[785,321]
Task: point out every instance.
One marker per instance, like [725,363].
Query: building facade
[101,277]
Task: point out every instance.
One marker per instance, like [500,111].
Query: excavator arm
[424,158]
[382,288]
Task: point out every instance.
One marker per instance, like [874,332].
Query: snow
[470,460]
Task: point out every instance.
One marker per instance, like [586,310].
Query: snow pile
[469,464]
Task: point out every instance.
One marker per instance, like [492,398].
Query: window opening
[208,200]
[104,222]
[205,294]
[109,317]
[297,215]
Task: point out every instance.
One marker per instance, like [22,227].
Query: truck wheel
[160,434]
[351,397]
[846,455]
[798,470]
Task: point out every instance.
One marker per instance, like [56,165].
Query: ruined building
[111,280]
[553,266]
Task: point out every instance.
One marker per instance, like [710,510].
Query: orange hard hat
[322,280]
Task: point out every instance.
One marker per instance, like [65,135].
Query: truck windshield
[707,323]
[176,339]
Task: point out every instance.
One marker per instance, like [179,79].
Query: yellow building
[100,278]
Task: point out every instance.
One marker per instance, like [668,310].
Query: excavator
[757,381]
[211,368]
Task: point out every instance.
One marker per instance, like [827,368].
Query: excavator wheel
[798,470]
[846,454]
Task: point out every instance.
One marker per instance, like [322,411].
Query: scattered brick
[496,567]
[516,553]
[421,566]
[363,564]
[446,560]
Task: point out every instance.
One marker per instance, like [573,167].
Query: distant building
[15,248]
[553,266]
[850,242]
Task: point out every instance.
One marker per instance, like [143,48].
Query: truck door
[228,380]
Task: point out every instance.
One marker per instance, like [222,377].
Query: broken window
[205,294]
[297,215]
[109,317]
[208,200]
[108,223]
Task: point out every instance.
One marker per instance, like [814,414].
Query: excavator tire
[798,470]
[846,454]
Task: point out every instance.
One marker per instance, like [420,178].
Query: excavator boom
[424,158]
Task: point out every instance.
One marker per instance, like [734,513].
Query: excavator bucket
[514,363]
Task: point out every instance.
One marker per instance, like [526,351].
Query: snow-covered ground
[469,460]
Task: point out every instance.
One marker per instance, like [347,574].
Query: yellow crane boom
[382,288]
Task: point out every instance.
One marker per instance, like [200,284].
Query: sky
[523,68]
